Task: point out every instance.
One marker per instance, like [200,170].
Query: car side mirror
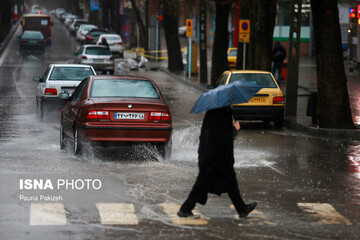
[64,96]
[37,79]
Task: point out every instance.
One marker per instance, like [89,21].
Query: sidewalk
[307,81]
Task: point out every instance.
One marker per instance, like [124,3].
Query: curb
[186,82]
[5,42]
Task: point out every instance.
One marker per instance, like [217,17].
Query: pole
[244,55]
[189,61]
[157,39]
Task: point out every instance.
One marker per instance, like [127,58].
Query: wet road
[306,187]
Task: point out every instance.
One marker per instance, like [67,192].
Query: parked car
[83,30]
[232,56]
[75,25]
[116,109]
[113,41]
[58,78]
[98,56]
[266,105]
[93,34]
[32,40]
[69,20]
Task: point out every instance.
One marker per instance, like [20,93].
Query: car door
[40,91]
[70,109]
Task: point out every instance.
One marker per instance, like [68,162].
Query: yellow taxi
[266,105]
[232,53]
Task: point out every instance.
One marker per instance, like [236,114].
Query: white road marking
[256,218]
[171,209]
[43,214]
[325,212]
[117,214]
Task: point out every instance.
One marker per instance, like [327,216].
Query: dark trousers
[233,192]
[277,67]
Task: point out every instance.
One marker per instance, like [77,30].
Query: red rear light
[159,116]
[278,100]
[42,41]
[50,91]
[119,43]
[89,37]
[23,41]
[112,58]
[84,57]
[98,115]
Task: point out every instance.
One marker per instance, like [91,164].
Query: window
[263,80]
[70,73]
[79,92]
[124,88]
[97,51]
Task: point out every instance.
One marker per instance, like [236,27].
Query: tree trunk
[140,24]
[262,22]
[171,15]
[221,40]
[333,98]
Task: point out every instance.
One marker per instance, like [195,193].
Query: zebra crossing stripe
[171,210]
[325,212]
[44,214]
[117,214]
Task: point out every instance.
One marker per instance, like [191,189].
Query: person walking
[278,56]
[215,162]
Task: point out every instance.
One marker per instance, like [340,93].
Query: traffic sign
[188,27]
[245,38]
[244,31]
[244,27]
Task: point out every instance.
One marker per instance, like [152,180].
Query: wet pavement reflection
[302,183]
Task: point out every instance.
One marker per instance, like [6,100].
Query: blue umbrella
[226,95]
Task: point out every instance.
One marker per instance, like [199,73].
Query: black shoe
[248,209]
[183,214]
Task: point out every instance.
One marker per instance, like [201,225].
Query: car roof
[36,15]
[69,65]
[109,34]
[94,45]
[248,71]
[127,77]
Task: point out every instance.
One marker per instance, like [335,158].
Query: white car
[58,78]
[113,41]
[83,30]
[69,19]
[74,26]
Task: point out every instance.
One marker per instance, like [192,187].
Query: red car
[120,109]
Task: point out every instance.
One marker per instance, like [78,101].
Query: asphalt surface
[307,187]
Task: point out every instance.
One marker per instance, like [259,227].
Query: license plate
[257,100]
[98,60]
[120,115]
[32,41]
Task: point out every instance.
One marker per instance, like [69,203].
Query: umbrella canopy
[225,95]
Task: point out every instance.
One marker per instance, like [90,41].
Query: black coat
[216,155]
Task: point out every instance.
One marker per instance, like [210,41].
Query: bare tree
[262,16]
[171,17]
[221,40]
[333,98]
